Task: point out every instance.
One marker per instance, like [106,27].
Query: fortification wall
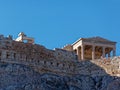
[110,65]
[65,55]
[32,51]
[56,61]
[99,67]
[68,47]
[37,56]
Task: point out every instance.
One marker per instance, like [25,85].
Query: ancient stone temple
[24,51]
[92,48]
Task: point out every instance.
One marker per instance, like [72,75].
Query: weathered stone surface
[21,77]
[115,85]
[28,66]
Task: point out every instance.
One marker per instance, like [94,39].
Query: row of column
[93,52]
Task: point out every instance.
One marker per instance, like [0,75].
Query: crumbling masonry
[23,50]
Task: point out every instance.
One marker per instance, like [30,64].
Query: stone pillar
[114,52]
[82,52]
[78,53]
[93,52]
[109,54]
[103,52]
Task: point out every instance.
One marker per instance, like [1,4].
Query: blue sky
[54,23]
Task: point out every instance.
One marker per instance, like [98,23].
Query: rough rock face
[21,77]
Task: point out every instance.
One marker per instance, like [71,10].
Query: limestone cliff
[21,77]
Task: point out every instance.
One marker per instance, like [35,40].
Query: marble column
[93,52]
[114,52]
[82,52]
[109,54]
[78,53]
[103,51]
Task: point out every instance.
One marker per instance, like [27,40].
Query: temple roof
[95,39]
[98,39]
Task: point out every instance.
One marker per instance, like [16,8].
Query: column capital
[82,45]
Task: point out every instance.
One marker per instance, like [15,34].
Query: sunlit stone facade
[92,48]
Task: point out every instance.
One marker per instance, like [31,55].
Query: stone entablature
[93,48]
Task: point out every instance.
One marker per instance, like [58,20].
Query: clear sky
[54,23]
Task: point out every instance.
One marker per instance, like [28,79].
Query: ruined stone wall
[37,56]
[99,67]
[68,47]
[57,61]
[61,54]
[110,65]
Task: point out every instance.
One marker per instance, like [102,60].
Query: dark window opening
[57,64]
[51,63]
[7,55]
[44,62]
[14,55]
